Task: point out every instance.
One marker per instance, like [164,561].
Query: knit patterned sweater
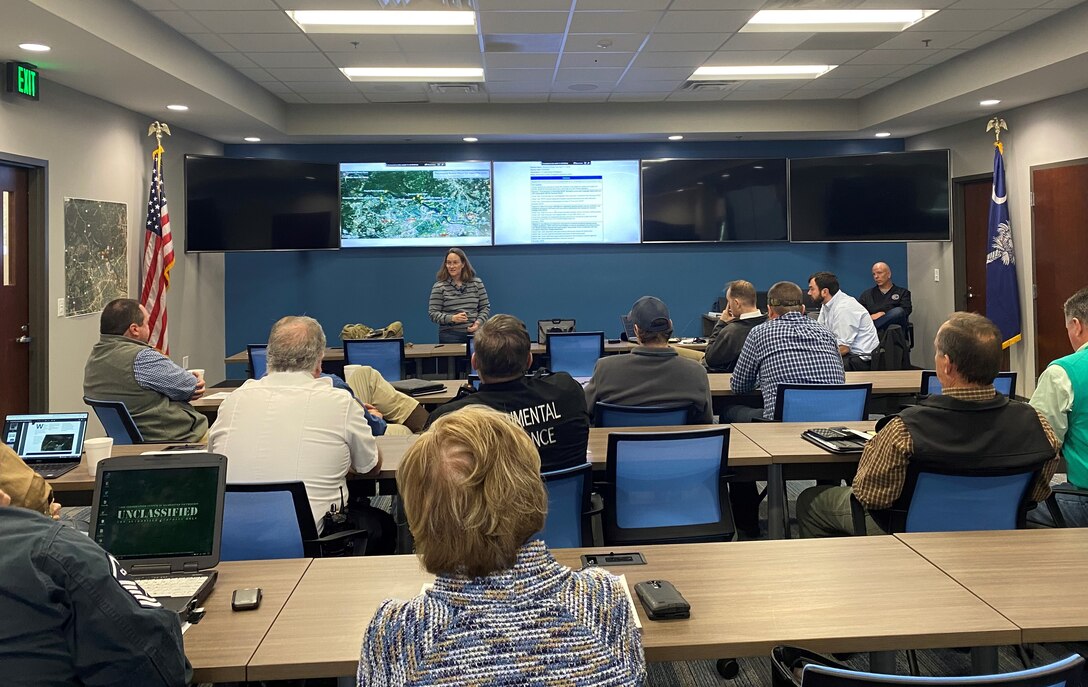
[538,623]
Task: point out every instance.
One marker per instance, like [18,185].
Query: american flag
[158,256]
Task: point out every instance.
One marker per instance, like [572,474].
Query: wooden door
[1061,251]
[976,217]
[14,291]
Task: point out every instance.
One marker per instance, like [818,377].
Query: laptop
[418,387]
[628,328]
[161,516]
[50,443]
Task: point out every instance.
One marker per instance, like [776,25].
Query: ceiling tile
[276,87]
[846,41]
[622,4]
[518,97]
[292,98]
[724,21]
[256,74]
[309,75]
[671,59]
[156,4]
[910,70]
[523,22]
[1062,4]
[820,56]
[942,56]
[871,71]
[621,42]
[938,40]
[236,59]
[333,42]
[180,21]
[898,4]
[602,75]
[210,42]
[899,57]
[603,86]
[882,83]
[981,38]
[480,97]
[290,59]
[684,41]
[637,97]
[369,88]
[614,22]
[538,75]
[696,96]
[765,41]
[751,5]
[679,74]
[967,20]
[519,60]
[228,21]
[576,97]
[596,59]
[304,87]
[438,43]
[535,5]
[523,42]
[269,42]
[626,86]
[335,98]
[773,86]
[369,59]
[1025,19]
[515,87]
[757,95]
[396,98]
[851,83]
[996,4]
[736,57]
[227,4]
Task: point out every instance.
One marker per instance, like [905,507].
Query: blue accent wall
[592,284]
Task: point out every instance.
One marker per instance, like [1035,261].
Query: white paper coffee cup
[97,450]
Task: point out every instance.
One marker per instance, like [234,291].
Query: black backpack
[893,351]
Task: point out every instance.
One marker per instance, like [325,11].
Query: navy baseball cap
[650,314]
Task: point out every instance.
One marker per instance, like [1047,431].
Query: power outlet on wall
[60,307]
[185,361]
[936,274]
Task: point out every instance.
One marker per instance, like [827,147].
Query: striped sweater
[538,623]
[447,300]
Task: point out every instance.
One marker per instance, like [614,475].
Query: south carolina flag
[1002,293]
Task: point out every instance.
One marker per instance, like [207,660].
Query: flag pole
[158,248]
[1002,291]
[996,124]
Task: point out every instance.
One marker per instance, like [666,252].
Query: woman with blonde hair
[502,611]
[459,302]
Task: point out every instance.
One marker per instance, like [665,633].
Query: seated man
[887,303]
[403,413]
[652,373]
[552,409]
[846,319]
[738,318]
[73,616]
[969,425]
[124,367]
[293,425]
[1062,396]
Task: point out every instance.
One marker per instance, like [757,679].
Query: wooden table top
[783,442]
[221,645]
[849,594]
[1035,578]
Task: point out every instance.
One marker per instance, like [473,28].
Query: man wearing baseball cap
[652,374]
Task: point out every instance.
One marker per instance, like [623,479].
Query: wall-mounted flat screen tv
[257,205]
[557,202]
[415,204]
[714,200]
[883,197]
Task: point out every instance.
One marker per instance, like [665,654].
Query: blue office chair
[258,360]
[931,386]
[613,415]
[470,348]
[575,353]
[822,402]
[569,510]
[384,355]
[117,421]
[1058,674]
[668,487]
[268,520]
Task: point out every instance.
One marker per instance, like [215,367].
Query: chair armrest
[1072,491]
[857,514]
[339,536]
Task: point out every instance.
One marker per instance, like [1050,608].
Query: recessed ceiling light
[470,139]
[34,47]
[989,103]
[749,72]
[251,139]
[676,137]
[177,108]
[757,166]
[725,176]
[384,21]
[834,20]
[414,73]
[882,134]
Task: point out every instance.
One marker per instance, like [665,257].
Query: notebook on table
[50,443]
[161,517]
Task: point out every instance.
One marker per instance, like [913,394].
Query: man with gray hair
[293,425]
[1062,396]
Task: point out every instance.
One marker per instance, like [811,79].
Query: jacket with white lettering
[551,408]
[73,616]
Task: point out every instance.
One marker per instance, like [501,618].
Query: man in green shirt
[1062,395]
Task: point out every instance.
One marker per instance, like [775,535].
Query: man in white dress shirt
[847,319]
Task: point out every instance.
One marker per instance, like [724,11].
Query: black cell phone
[246,599]
[662,601]
[186,447]
[592,560]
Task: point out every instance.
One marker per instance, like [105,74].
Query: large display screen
[567,202]
[714,200]
[415,204]
[884,197]
[253,205]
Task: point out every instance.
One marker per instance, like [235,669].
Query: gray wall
[100,151]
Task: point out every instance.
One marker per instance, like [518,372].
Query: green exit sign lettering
[23,79]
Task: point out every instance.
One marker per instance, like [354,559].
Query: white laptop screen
[46,437]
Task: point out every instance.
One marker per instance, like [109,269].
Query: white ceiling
[245,68]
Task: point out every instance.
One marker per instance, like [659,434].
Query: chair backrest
[470,348]
[569,490]
[668,487]
[1061,673]
[822,402]
[613,415]
[266,520]
[575,353]
[258,360]
[1005,383]
[117,421]
[384,355]
[943,502]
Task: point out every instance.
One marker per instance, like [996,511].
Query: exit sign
[23,79]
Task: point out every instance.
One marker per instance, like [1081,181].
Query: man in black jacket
[738,318]
[887,303]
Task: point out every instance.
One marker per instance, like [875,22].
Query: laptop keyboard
[168,587]
[52,469]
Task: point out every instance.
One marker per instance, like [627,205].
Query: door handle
[24,339]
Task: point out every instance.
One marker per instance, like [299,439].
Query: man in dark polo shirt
[730,333]
[887,303]
[551,408]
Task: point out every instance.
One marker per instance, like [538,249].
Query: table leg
[776,502]
[984,660]
[882,662]
[419,368]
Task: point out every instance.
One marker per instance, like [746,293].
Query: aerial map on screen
[418,204]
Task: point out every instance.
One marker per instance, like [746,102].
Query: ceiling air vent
[454,88]
[710,85]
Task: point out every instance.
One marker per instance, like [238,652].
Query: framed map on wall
[95,254]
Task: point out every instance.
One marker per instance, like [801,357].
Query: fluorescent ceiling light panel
[394,21]
[404,74]
[751,73]
[809,21]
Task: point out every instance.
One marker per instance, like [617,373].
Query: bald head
[296,344]
[882,275]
